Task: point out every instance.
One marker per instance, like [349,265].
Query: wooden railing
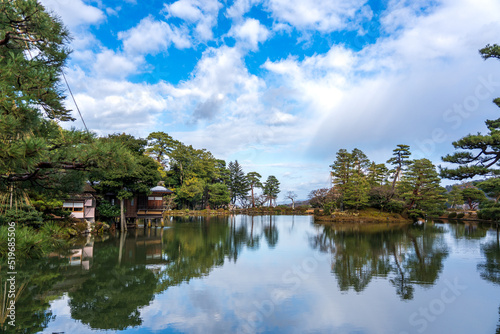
[151,207]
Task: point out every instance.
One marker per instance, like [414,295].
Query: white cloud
[201,14]
[281,118]
[241,7]
[74,12]
[151,36]
[110,106]
[112,65]
[392,90]
[219,72]
[186,10]
[322,15]
[250,33]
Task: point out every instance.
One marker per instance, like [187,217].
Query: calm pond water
[269,274]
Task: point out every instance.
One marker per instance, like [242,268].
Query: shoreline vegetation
[365,215]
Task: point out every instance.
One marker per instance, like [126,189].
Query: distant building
[82,205]
[147,207]
[151,206]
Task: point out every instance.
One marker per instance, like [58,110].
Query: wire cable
[71,93]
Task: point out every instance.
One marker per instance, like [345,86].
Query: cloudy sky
[282,85]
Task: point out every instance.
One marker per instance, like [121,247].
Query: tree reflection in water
[271,232]
[408,255]
[490,269]
[124,274]
[113,290]
[193,250]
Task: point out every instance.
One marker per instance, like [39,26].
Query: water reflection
[133,280]
[191,251]
[112,292]
[408,255]
[468,230]
[489,270]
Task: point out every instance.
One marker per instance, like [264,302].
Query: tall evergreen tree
[377,174]
[401,154]
[491,187]
[254,182]
[271,189]
[420,188]
[218,194]
[160,146]
[473,197]
[455,197]
[238,183]
[349,177]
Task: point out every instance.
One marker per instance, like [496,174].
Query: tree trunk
[123,223]
[396,175]
[11,195]
[253,200]
[293,204]
[122,243]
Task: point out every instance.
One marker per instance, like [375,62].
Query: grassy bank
[365,216]
[279,210]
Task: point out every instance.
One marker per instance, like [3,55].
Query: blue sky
[282,85]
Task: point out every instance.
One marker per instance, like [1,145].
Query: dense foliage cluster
[411,187]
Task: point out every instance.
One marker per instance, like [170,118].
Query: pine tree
[271,189]
[349,176]
[356,191]
[401,154]
[479,154]
[420,189]
[491,187]
[455,196]
[254,182]
[377,174]
[238,183]
[36,154]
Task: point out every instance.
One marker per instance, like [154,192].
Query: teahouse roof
[87,188]
[161,189]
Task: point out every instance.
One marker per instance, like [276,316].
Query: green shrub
[54,230]
[395,206]
[460,215]
[489,211]
[29,244]
[327,209]
[452,215]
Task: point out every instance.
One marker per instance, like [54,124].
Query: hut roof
[161,189]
